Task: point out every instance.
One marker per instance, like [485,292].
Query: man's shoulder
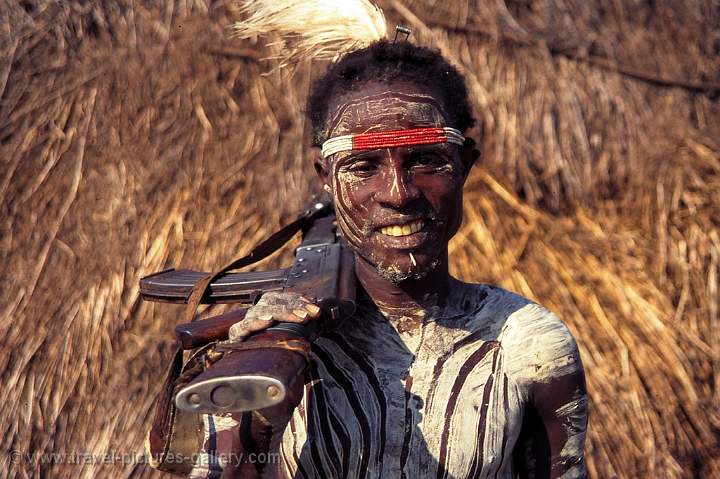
[479,312]
[487,306]
[536,343]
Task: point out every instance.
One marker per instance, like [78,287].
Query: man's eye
[361,168]
[431,162]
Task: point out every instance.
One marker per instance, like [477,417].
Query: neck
[411,297]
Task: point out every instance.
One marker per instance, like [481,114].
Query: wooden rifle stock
[199,333]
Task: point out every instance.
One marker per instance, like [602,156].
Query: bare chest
[431,406]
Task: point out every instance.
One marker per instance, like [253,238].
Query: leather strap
[261,251]
[175,436]
[175,433]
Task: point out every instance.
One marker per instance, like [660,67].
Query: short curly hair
[386,61]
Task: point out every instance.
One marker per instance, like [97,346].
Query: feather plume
[312,29]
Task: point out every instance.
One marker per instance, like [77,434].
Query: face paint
[398,207]
[386,108]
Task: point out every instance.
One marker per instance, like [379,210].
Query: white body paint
[206,464]
[469,365]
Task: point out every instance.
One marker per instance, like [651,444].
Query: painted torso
[443,400]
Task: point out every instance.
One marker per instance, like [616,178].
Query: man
[431,377]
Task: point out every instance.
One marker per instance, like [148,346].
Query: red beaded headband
[389,139]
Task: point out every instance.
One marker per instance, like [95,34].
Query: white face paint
[397,207]
[387,111]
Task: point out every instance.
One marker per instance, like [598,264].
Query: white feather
[321,29]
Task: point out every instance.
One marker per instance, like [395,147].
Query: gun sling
[174,436]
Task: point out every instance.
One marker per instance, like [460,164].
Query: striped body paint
[447,400]
[432,378]
[448,406]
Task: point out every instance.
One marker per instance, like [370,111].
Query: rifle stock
[199,333]
[263,373]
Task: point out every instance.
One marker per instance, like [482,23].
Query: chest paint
[384,404]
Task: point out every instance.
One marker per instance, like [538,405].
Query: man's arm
[553,433]
[247,444]
[241,445]
[545,362]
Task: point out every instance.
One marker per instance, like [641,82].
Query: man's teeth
[402,230]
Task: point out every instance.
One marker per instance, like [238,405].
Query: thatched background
[136,135]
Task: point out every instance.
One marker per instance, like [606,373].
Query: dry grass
[137,136]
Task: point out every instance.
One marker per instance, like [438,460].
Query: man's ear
[322,168]
[469,155]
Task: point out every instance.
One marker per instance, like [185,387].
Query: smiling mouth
[402,230]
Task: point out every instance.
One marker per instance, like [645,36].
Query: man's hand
[260,432]
[274,306]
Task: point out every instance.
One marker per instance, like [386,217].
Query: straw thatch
[137,135]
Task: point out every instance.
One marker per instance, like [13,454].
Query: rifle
[264,367]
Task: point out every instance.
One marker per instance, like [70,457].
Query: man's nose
[399,188]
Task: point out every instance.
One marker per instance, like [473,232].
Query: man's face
[397,207]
